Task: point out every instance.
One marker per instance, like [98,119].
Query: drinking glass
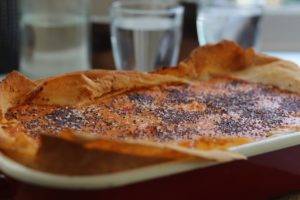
[54,37]
[145,34]
[229,19]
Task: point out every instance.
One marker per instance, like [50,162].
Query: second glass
[229,19]
[145,34]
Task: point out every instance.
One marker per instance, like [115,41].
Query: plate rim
[32,176]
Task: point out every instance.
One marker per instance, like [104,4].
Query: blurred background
[278,33]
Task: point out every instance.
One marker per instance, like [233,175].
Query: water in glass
[145,42]
[53,44]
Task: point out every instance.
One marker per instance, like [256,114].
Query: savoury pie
[220,96]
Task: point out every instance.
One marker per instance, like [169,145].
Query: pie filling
[184,113]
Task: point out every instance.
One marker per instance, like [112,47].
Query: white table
[291,56]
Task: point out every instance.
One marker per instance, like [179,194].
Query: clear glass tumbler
[145,34]
[234,20]
[54,37]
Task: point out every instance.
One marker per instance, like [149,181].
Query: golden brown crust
[225,58]
[219,59]
[13,89]
[283,74]
[83,88]
[228,59]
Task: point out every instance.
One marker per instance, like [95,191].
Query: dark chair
[9,36]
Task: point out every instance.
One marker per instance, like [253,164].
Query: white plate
[28,175]
[32,176]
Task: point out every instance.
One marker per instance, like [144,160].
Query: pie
[219,97]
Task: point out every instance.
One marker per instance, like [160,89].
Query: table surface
[291,56]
